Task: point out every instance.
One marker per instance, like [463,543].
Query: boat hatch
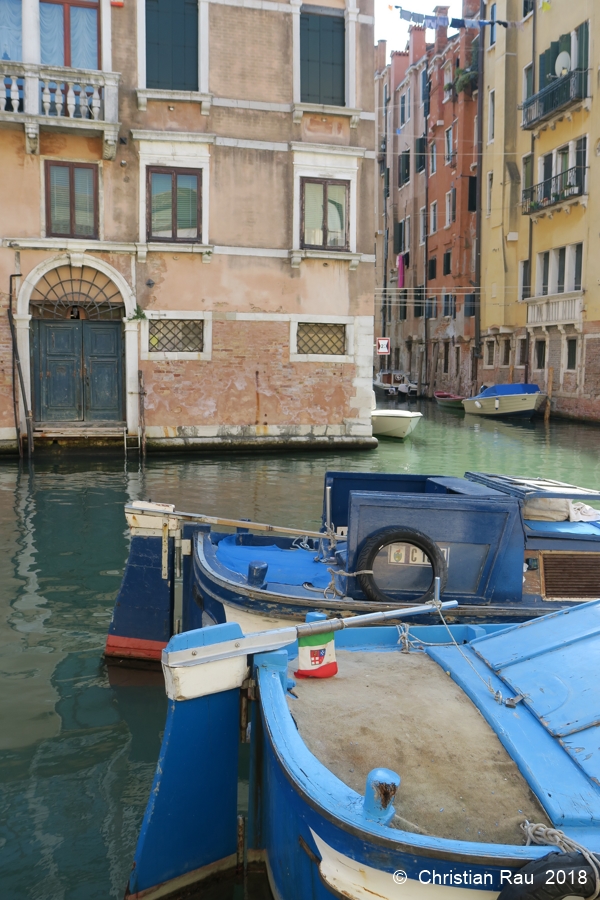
[553,664]
[528,488]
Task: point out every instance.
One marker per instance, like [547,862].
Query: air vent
[571,576]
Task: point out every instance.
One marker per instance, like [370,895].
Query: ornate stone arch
[23,319]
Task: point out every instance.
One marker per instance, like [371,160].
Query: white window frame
[522,263]
[407,234]
[448,156]
[348,321]
[334,163]
[448,209]
[432,158]
[155,314]
[524,85]
[173,150]
[433,221]
[491,116]
[422,225]
[447,76]
[486,364]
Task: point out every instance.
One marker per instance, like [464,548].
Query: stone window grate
[329,340]
[176,336]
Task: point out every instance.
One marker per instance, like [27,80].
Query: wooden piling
[549,393]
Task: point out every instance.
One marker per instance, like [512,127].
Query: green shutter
[397,237]
[583,43]
[322,59]
[172,45]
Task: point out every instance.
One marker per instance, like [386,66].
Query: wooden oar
[233,523]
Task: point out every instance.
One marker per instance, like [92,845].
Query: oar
[261,641]
[234,523]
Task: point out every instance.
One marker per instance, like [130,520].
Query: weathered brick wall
[250,381]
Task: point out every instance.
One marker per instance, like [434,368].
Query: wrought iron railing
[560,93]
[563,186]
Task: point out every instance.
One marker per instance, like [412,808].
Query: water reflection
[78,750]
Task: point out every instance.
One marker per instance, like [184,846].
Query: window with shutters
[525,279]
[420,154]
[402,306]
[540,354]
[422,225]
[469,307]
[402,110]
[447,270]
[571,353]
[449,157]
[491,116]
[431,308]
[322,58]
[450,207]
[432,269]
[404,167]
[419,307]
[172,45]
[489,353]
[432,159]
[506,352]
[472,201]
[578,251]
[522,351]
[69,33]
[449,305]
[324,214]
[433,217]
[71,199]
[446,356]
[493,25]
[174,204]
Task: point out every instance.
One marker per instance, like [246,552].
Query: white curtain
[11,29]
[84,38]
[52,33]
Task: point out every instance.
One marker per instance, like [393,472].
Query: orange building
[425,272]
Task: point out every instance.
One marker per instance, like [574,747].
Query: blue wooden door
[102,363]
[77,371]
[57,371]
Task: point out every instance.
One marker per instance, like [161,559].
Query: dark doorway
[77,371]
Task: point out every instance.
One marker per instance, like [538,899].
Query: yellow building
[540,309]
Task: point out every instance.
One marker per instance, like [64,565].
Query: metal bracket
[165,548]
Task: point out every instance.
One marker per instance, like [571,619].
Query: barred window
[176,336]
[329,340]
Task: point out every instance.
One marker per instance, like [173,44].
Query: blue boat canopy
[503,390]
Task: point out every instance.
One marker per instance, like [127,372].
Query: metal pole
[13,334]
[478,215]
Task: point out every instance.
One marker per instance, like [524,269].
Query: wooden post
[434,365]
[511,373]
[549,392]
[142,411]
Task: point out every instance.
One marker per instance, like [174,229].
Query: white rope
[541,834]
[496,694]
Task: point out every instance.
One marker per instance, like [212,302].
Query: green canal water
[77,751]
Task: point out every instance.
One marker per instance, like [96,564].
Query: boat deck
[401,711]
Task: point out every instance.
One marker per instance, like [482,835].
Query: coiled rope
[542,834]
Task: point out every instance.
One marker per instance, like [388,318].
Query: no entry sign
[383,346]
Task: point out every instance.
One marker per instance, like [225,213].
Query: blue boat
[506,548]
[440,762]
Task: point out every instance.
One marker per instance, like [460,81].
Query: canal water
[77,752]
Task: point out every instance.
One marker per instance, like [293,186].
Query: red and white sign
[383,346]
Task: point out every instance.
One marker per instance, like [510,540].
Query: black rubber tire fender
[543,873]
[393,535]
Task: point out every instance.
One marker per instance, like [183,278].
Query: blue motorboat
[506,548]
[440,762]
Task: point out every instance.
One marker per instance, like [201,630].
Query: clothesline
[447,21]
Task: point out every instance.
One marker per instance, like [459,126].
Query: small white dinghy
[394,423]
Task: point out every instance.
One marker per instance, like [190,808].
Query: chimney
[380,56]
[470,9]
[441,34]
[417,46]
[399,63]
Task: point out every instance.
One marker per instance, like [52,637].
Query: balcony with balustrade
[61,99]
[556,309]
[555,194]
[562,96]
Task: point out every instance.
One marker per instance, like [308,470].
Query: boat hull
[517,405]
[448,401]
[394,423]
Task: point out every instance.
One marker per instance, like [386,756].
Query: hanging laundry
[442,21]
[418,18]
[406,15]
[471,23]
[457,23]
[430,21]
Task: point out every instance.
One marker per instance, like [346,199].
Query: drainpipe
[530,250]
[427,111]
[386,192]
[478,216]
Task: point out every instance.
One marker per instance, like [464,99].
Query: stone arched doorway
[77,357]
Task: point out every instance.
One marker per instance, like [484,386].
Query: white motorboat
[393,383]
[396,423]
[506,400]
